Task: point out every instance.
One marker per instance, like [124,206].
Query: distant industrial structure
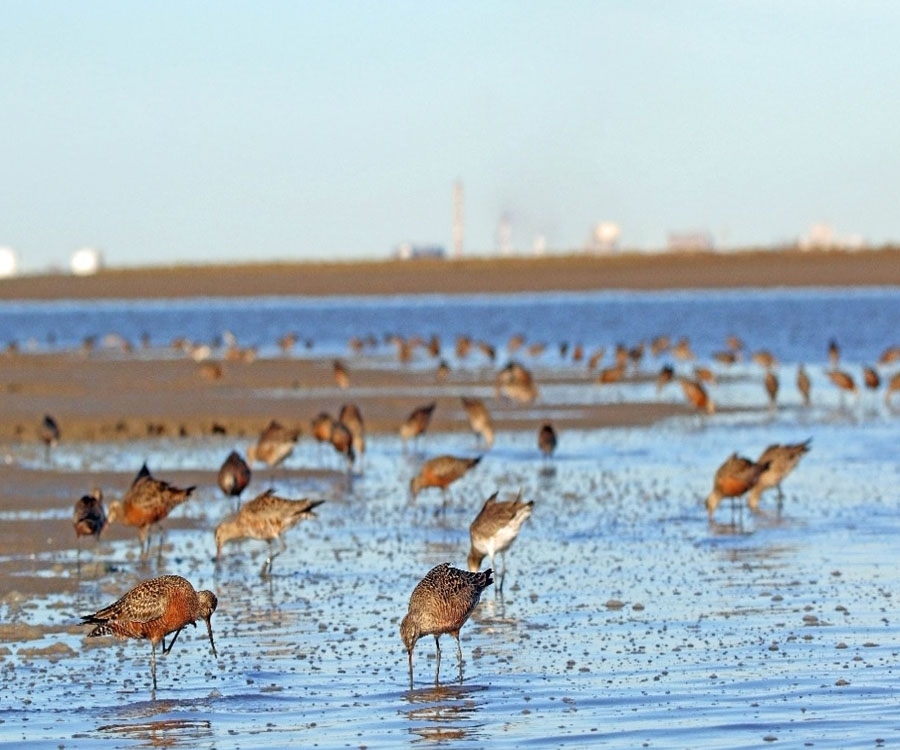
[690,242]
[605,237]
[823,237]
[86,261]
[412,251]
[9,263]
[458,229]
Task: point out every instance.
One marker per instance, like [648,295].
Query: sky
[216,132]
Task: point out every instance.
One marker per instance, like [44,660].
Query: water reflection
[444,713]
[163,732]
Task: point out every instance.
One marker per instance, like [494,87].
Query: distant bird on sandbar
[49,433]
[803,384]
[844,381]
[320,429]
[147,502]
[889,355]
[696,394]
[266,517]
[441,603]
[341,376]
[276,442]
[89,519]
[494,530]
[764,358]
[780,461]
[479,420]
[771,383]
[152,610]
[666,375]
[416,423]
[546,440]
[234,476]
[834,353]
[871,378]
[733,478]
[342,442]
[516,383]
[893,386]
[441,471]
[351,416]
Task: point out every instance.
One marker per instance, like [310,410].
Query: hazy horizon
[224,132]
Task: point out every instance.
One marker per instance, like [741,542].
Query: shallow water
[625,619]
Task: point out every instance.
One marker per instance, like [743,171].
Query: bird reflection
[444,713]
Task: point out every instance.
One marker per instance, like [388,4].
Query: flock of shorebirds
[442,601]
[445,598]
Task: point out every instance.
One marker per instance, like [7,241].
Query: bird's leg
[410,670]
[153,665]
[459,656]
[502,569]
[437,668]
[171,643]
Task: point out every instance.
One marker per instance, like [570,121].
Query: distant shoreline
[577,272]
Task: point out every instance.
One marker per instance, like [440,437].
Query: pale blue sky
[217,131]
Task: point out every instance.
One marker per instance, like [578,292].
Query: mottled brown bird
[321,427]
[479,420]
[546,440]
[351,416]
[803,384]
[779,460]
[771,383]
[666,375]
[234,476]
[733,478]
[342,442]
[516,383]
[843,380]
[494,530]
[266,518]
[889,355]
[416,423]
[441,471]
[341,375]
[276,442]
[697,395]
[441,603]
[765,358]
[871,378]
[152,610]
[89,516]
[49,433]
[147,502]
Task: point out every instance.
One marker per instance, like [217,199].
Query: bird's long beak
[211,642]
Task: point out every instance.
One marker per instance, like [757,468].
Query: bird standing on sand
[733,478]
[342,442]
[803,384]
[441,471]
[351,416]
[341,376]
[416,423]
[49,433]
[546,440]
[779,461]
[89,516]
[152,610]
[697,395]
[234,476]
[275,444]
[494,530]
[266,517]
[147,502]
[479,420]
[771,383]
[441,603]
[844,381]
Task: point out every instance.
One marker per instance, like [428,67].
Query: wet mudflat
[626,618]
